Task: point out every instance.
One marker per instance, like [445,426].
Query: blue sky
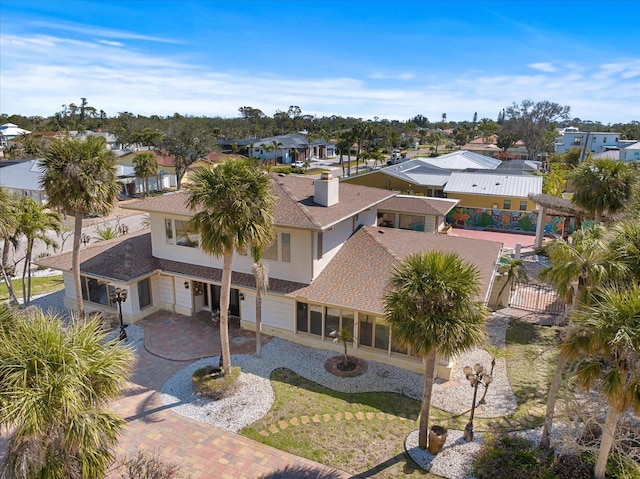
[363,59]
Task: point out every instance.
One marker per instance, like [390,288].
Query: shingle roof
[419,205]
[294,208]
[519,186]
[130,258]
[118,259]
[357,276]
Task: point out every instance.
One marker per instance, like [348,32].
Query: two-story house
[593,141]
[328,267]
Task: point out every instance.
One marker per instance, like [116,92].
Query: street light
[119,296]
[476,376]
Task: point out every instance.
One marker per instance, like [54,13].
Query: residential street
[118,216]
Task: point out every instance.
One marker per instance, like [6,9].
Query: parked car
[298,164]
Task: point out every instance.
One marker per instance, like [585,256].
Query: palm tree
[276,145]
[432,308]
[261,274]
[607,344]
[8,219]
[234,205]
[514,270]
[625,246]
[57,383]
[576,270]
[34,222]
[145,165]
[80,177]
[602,186]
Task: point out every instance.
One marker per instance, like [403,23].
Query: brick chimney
[326,190]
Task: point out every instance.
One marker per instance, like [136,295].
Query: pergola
[556,206]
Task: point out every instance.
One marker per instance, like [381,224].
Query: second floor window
[280,249]
[186,235]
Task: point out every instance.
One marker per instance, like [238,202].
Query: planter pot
[437,438]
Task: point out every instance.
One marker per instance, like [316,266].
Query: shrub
[541,251]
[146,465]
[213,383]
[512,457]
[572,466]
[282,169]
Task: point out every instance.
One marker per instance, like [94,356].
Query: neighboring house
[111,140]
[462,160]
[415,177]
[328,267]
[416,213]
[10,131]
[283,149]
[165,164]
[494,201]
[132,186]
[630,152]
[593,141]
[22,177]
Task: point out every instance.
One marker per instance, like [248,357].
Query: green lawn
[366,432]
[39,285]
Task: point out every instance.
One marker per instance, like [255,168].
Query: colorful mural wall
[481,218]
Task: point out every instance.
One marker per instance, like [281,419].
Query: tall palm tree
[56,385]
[602,186]
[576,269]
[432,307]
[234,211]
[34,222]
[607,344]
[145,165]
[261,274]
[80,177]
[8,219]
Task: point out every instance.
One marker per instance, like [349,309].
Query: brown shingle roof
[419,205]
[357,276]
[125,259]
[120,259]
[295,207]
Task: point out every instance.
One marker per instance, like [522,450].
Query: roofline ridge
[369,230]
[302,208]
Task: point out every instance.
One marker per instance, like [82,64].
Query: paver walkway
[200,450]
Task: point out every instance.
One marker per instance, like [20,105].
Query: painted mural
[481,218]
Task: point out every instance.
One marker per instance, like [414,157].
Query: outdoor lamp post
[476,376]
[84,239]
[119,296]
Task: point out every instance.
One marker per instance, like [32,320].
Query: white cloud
[118,78]
[392,76]
[543,67]
[94,31]
[110,43]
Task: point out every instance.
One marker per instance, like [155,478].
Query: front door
[234,300]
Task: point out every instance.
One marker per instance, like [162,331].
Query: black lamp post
[476,376]
[119,296]
[84,239]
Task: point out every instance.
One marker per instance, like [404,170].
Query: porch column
[540,227]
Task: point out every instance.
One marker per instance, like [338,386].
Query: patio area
[188,338]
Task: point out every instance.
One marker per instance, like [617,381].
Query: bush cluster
[212,383]
[511,457]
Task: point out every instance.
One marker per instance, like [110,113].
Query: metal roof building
[518,186]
